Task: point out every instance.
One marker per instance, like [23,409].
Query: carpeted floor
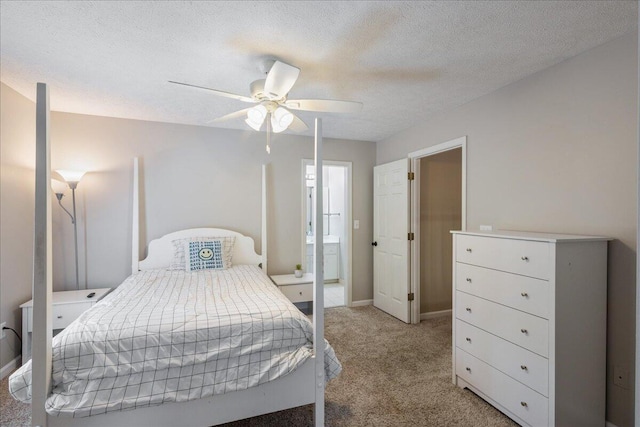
[394,374]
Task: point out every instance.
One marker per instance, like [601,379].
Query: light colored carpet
[394,375]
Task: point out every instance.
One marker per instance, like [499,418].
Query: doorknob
[374,244]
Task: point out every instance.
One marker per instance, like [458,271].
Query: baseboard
[9,367]
[432,314]
[609,424]
[361,303]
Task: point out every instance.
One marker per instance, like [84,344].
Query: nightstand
[66,307]
[294,288]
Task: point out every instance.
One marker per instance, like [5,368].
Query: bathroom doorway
[336,214]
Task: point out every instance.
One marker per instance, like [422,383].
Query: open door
[391,286]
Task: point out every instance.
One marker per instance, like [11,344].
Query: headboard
[160,251]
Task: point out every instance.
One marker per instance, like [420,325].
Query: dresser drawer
[522,365]
[525,403]
[62,314]
[298,293]
[520,292]
[520,328]
[527,258]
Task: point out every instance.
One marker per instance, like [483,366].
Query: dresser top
[541,237]
[71,297]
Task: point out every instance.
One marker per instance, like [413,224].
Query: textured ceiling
[403,60]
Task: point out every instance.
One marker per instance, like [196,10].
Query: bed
[170,335]
[296,377]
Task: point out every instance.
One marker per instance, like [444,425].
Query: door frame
[348,194]
[414,198]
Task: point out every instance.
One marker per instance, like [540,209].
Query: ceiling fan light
[257,114]
[281,119]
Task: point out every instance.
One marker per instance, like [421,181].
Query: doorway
[438,202]
[336,213]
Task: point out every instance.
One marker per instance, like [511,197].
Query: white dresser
[529,324]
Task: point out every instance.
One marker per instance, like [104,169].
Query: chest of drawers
[529,324]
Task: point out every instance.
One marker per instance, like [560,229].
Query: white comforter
[172,336]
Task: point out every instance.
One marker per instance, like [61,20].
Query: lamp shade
[281,119]
[58,187]
[71,176]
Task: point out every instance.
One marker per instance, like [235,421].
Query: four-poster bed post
[300,383]
[318,282]
[42,282]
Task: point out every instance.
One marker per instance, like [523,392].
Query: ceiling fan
[273,106]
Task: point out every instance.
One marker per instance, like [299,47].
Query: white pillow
[179,261]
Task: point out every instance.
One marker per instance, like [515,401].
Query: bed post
[42,332]
[135,220]
[318,284]
[264,218]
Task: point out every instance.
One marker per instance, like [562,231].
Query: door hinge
[411,176]
[411,296]
[410,236]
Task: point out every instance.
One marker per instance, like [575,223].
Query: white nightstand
[294,288]
[66,307]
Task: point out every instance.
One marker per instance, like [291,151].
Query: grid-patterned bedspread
[172,336]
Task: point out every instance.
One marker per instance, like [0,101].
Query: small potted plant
[298,271]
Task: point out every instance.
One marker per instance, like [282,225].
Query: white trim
[434,314]
[10,367]
[361,303]
[348,223]
[414,163]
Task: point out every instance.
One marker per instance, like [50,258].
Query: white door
[390,239]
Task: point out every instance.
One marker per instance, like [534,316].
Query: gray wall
[193,177]
[17,179]
[557,152]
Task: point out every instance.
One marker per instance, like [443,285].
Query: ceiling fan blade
[280,79]
[218,92]
[230,116]
[297,125]
[324,105]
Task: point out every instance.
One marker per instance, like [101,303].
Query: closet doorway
[438,206]
[336,213]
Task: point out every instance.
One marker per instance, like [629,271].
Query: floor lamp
[72,179]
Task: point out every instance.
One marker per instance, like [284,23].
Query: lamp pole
[72,186]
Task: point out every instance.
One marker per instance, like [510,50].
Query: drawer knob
[524,404]
[468,369]
[468,339]
[469,250]
[524,294]
[523,367]
[469,279]
[524,258]
[524,331]
[59,317]
[300,293]
[469,309]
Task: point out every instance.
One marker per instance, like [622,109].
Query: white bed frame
[303,386]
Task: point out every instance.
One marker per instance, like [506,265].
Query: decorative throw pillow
[179,261]
[204,255]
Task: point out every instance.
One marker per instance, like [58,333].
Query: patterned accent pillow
[204,255]
[179,261]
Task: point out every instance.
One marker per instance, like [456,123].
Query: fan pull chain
[268,133]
